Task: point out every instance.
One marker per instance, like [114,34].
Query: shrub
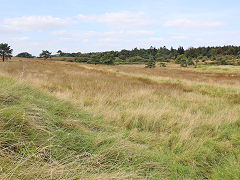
[163,64]
[222,61]
[150,63]
[190,61]
[182,60]
[135,59]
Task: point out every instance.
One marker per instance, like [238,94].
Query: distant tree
[25,55]
[191,53]
[153,51]
[222,61]
[135,59]
[190,61]
[45,54]
[5,51]
[161,54]
[94,59]
[107,58]
[180,50]
[150,63]
[196,62]
[212,52]
[182,60]
[60,53]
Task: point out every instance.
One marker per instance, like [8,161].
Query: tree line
[184,57]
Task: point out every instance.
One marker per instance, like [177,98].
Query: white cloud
[123,19]
[108,34]
[193,24]
[33,23]
[20,38]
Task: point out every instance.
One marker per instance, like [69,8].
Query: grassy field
[64,120]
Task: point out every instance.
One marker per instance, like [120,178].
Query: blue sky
[94,25]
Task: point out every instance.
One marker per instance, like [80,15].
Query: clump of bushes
[162,64]
[151,63]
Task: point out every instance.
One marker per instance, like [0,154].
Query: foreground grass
[139,127]
[43,137]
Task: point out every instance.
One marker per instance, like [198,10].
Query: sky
[104,25]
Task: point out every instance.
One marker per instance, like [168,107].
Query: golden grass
[130,99]
[165,106]
[172,108]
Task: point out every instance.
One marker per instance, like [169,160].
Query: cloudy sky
[101,25]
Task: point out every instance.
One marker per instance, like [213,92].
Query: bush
[190,61]
[107,58]
[80,59]
[150,63]
[213,58]
[135,59]
[183,63]
[163,64]
[182,60]
[222,61]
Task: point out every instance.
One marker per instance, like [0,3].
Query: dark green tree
[5,51]
[135,59]
[153,51]
[182,60]
[180,50]
[191,53]
[60,53]
[151,63]
[45,54]
[25,55]
[107,58]
[94,59]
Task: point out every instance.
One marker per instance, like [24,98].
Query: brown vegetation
[172,105]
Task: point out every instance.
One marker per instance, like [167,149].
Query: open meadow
[85,121]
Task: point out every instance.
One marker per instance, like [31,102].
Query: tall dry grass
[175,109]
[130,99]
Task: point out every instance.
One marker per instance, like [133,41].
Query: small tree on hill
[45,54]
[5,51]
[60,53]
[24,55]
[151,63]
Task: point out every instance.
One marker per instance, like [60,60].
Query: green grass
[208,68]
[42,137]
[204,65]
